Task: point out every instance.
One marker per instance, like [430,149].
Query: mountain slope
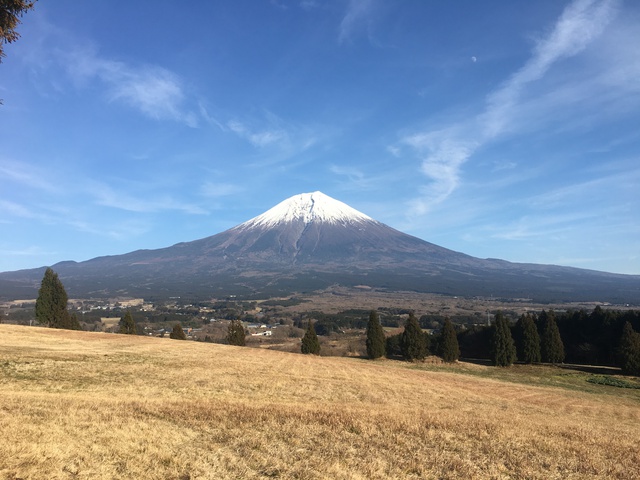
[308,242]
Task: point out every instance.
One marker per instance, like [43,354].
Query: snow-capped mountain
[307,208]
[311,241]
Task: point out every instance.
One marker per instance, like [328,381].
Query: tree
[177,333]
[552,347]
[51,305]
[629,350]
[70,322]
[529,351]
[127,325]
[10,13]
[235,333]
[448,347]
[503,348]
[375,337]
[414,343]
[392,345]
[310,343]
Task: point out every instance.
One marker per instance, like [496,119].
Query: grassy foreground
[92,405]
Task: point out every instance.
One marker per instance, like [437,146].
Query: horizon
[508,132]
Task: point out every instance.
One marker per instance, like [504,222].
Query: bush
[236,334]
[177,333]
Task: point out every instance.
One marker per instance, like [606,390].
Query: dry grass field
[94,405]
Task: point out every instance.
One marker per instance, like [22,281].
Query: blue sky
[499,129]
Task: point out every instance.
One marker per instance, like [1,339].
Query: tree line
[603,337]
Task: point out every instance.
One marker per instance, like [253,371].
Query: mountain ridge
[308,242]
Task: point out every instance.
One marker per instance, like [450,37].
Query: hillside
[92,405]
[310,242]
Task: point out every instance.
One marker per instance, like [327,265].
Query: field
[95,405]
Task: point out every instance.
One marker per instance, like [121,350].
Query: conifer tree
[413,341]
[529,351]
[177,333]
[552,347]
[448,347]
[51,305]
[70,322]
[310,342]
[375,337]
[503,348]
[629,350]
[10,13]
[127,325]
[236,334]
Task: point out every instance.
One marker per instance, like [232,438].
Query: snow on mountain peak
[308,208]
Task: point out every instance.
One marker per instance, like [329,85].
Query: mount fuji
[311,241]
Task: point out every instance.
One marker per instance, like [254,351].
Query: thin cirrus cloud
[219,189]
[356,17]
[29,176]
[260,138]
[448,148]
[106,196]
[152,90]
[16,210]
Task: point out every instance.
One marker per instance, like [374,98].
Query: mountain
[311,241]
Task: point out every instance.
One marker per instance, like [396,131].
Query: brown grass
[91,405]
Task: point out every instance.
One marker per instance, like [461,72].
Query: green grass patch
[613,382]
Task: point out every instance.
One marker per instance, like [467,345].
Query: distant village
[199,321]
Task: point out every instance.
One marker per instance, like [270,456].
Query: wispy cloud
[116,231]
[16,210]
[356,17]
[26,175]
[580,23]
[31,251]
[107,196]
[447,149]
[219,189]
[258,138]
[309,4]
[276,140]
[154,91]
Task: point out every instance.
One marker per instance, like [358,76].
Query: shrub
[236,334]
[177,333]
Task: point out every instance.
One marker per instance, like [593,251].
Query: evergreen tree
[236,334]
[629,350]
[503,348]
[177,333]
[414,343]
[529,351]
[392,345]
[552,347]
[70,322]
[127,325]
[448,347]
[51,305]
[375,337]
[10,13]
[310,343]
